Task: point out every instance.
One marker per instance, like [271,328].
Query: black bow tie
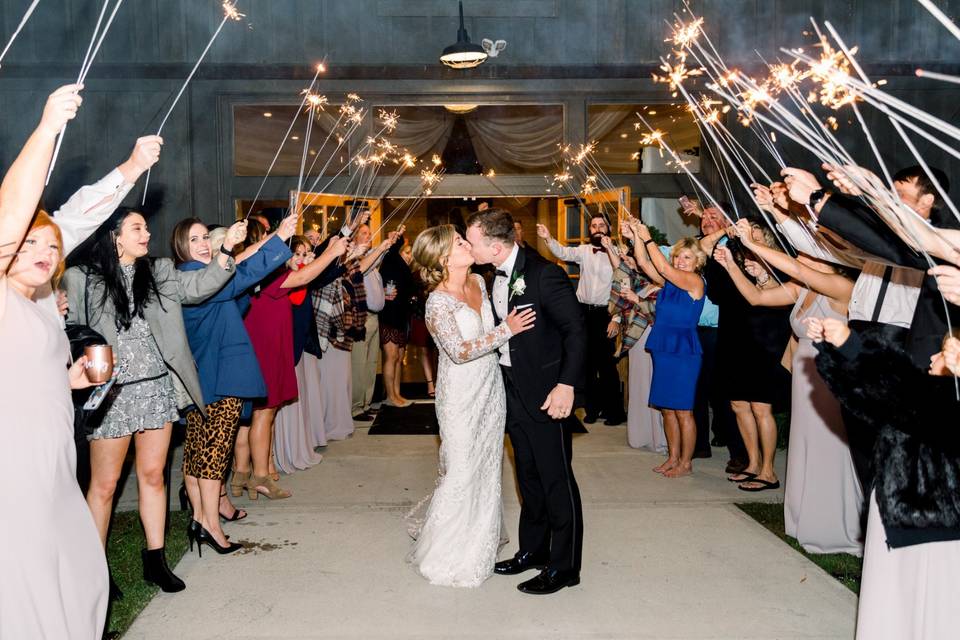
[599,250]
[500,273]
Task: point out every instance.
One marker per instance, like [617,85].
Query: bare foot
[666,466]
[679,471]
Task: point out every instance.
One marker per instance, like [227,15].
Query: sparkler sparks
[230,11]
[389,119]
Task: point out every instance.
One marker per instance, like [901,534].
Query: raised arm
[689,281]
[23,183]
[774,296]
[832,285]
[567,254]
[335,248]
[92,204]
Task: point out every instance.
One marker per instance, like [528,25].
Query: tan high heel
[265,485]
[238,482]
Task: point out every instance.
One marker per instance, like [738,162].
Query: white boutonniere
[517,286]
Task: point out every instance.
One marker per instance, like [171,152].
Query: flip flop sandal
[747,477]
[764,485]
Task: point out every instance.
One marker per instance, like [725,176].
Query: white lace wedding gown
[459,528]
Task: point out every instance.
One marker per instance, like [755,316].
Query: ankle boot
[155,570]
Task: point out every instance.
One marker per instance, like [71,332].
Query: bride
[458,530]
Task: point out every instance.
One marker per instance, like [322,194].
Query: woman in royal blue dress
[673,342]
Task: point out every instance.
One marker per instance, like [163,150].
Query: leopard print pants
[209,442]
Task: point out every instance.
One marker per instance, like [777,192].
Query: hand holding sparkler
[625,230]
[723,257]
[842,178]
[951,355]
[288,227]
[61,107]
[337,247]
[800,184]
[948,281]
[543,232]
[642,232]
[236,234]
[145,154]
[764,197]
[835,331]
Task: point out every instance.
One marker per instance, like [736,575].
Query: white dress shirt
[501,298]
[596,273]
[902,289]
[79,217]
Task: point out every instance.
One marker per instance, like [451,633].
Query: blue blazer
[219,341]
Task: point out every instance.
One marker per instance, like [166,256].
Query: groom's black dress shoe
[590,418]
[549,581]
[519,563]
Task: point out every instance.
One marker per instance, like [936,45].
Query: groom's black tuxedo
[552,352]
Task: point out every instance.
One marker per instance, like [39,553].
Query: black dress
[750,343]
[395,316]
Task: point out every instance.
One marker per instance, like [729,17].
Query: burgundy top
[270,325]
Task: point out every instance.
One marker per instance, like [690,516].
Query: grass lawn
[842,566]
[123,554]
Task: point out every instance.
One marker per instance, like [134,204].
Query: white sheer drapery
[504,141]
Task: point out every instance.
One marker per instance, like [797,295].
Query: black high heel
[193,530]
[204,538]
[185,500]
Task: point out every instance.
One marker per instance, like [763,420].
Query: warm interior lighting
[464,54]
[267,114]
[460,108]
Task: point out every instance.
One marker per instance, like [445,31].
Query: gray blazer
[166,323]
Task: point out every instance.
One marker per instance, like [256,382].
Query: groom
[541,368]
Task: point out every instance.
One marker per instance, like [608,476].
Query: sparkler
[16,32]
[923,73]
[229,13]
[320,69]
[941,17]
[92,51]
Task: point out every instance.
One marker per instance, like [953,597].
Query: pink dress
[270,325]
[53,574]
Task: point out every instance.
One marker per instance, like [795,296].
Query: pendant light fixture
[464,54]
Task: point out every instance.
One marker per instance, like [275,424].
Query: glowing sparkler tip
[491,174]
[389,119]
[230,11]
[321,68]
[436,160]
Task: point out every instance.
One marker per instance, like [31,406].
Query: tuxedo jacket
[554,351]
[858,224]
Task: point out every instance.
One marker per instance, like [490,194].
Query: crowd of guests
[819,309]
[246,337]
[265,345]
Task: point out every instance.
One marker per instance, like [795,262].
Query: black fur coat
[917,451]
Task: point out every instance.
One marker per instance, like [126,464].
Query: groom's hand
[559,402]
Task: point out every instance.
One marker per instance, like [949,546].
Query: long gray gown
[823,498]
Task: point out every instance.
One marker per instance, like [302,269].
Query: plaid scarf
[340,309]
[633,318]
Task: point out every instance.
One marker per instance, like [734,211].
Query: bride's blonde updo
[431,250]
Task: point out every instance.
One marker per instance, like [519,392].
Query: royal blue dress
[675,347]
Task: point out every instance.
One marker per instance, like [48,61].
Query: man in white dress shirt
[604,396]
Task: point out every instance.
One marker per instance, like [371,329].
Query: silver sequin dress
[143,397]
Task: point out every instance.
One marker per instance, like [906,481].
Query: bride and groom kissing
[512,358]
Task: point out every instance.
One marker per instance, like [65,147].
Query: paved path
[662,559]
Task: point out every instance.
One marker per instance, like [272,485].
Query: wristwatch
[817,196]
[229,252]
[646,242]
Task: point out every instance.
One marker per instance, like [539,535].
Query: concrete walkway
[662,559]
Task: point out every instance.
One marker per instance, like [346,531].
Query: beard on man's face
[596,236]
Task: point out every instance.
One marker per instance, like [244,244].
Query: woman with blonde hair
[674,343]
[458,528]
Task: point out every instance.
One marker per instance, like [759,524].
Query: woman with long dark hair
[134,301]
[229,374]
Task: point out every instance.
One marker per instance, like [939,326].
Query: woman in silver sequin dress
[134,301]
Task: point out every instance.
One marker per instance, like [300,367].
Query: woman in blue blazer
[229,374]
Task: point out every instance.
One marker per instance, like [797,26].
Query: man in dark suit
[530,250]
[542,369]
